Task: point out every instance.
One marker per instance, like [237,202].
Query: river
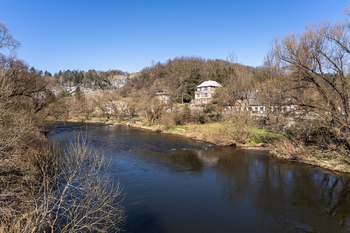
[175,184]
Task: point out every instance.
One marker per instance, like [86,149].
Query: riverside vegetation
[44,188]
[309,70]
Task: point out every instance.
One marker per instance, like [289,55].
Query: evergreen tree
[50,97]
[192,82]
[77,90]
[78,93]
[47,73]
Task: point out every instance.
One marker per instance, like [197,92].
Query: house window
[205,88]
[205,95]
[198,89]
[198,95]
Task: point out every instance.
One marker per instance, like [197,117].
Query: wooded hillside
[172,73]
[90,79]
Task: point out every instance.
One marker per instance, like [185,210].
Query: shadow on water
[144,219]
[174,185]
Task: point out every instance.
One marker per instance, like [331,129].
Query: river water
[175,184]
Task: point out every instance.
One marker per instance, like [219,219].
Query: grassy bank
[219,134]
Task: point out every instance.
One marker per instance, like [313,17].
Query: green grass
[258,135]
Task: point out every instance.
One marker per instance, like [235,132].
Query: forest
[89,79]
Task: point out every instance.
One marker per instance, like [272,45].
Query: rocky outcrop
[111,83]
[119,81]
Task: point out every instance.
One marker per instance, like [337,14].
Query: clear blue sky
[127,35]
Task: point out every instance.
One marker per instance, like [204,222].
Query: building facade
[163,96]
[203,94]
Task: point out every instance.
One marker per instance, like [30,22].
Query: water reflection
[287,197]
[171,188]
[144,219]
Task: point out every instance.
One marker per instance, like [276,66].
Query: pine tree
[192,82]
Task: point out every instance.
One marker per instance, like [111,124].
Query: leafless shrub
[222,136]
[240,118]
[178,117]
[289,149]
[198,117]
[167,120]
[71,193]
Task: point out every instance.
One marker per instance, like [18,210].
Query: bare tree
[41,187]
[6,38]
[232,57]
[23,88]
[316,63]
[236,87]
[152,108]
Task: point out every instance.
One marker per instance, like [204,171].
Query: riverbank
[249,138]
[215,133]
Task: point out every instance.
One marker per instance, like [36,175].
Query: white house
[204,92]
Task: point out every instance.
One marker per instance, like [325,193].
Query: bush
[177,117]
[62,191]
[167,119]
[239,119]
[290,149]
[210,109]
[200,119]
[186,112]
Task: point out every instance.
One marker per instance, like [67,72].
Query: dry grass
[289,149]
[296,150]
[224,134]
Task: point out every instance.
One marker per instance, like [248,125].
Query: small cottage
[163,95]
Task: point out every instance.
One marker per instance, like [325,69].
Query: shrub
[186,112]
[200,119]
[167,120]
[240,119]
[178,117]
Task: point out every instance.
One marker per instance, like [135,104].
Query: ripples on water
[174,184]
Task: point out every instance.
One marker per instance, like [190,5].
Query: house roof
[209,84]
[162,92]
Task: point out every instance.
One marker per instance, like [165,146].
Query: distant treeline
[89,79]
